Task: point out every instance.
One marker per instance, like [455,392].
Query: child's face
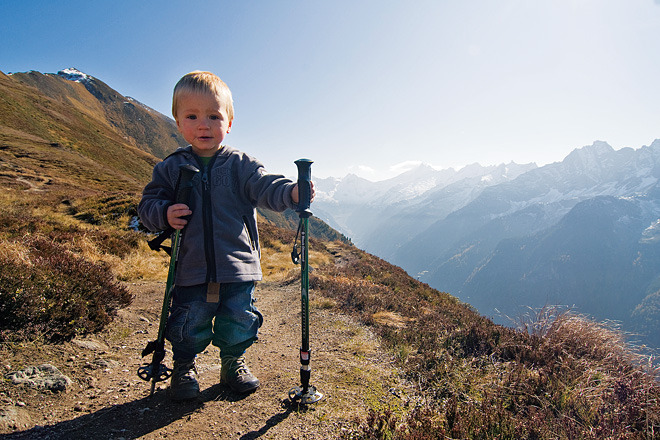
[202,120]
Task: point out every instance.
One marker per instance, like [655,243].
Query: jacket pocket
[251,236]
[176,324]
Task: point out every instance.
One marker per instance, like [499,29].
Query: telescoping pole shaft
[306,393]
[156,371]
[305,352]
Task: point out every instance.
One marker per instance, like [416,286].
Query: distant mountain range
[584,232]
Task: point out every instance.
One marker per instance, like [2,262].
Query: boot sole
[180,395]
[245,390]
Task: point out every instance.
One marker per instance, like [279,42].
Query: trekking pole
[306,393]
[156,371]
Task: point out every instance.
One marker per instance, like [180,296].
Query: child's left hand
[294,193]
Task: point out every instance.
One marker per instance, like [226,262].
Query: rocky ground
[107,400]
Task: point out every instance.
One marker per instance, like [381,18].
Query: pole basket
[302,397]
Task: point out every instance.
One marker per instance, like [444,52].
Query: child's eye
[214,117]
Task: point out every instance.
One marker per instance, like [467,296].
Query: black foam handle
[184,184]
[304,184]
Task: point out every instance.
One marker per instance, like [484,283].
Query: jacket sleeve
[271,191]
[157,196]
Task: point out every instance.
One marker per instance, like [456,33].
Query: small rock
[105,364]
[43,377]
[89,344]
[14,418]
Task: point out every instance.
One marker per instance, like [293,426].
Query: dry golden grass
[15,251]
[142,264]
[277,265]
[321,302]
[276,262]
[390,319]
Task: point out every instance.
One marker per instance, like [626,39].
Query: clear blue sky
[368,86]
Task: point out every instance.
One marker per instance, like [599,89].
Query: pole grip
[304,186]
[184,183]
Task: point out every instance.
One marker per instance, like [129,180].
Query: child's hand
[294,193]
[175,214]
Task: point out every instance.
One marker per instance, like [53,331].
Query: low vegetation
[53,294]
[56,280]
[561,376]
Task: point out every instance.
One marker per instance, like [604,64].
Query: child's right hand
[175,213]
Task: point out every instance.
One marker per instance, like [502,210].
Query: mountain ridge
[454,236]
[117,110]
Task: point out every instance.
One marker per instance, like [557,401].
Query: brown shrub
[55,294]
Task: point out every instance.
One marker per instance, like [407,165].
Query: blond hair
[203,82]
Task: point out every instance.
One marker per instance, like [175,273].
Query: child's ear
[228,128]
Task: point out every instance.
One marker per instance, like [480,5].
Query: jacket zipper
[207,221]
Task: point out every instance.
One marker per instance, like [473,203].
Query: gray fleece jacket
[220,243]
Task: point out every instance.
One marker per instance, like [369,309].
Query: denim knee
[238,320]
[189,326]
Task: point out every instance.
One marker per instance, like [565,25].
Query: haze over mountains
[583,232]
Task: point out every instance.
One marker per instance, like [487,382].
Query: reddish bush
[56,295]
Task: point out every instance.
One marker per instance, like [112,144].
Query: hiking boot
[184,385]
[237,375]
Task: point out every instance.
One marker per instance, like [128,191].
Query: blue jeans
[231,324]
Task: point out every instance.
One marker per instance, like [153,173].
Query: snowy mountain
[546,194]
[583,232]
[75,75]
[135,122]
[366,210]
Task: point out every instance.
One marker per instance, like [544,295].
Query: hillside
[155,133]
[66,143]
[394,358]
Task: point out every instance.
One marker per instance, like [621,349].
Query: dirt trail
[108,401]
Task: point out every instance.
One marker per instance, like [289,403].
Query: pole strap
[156,243]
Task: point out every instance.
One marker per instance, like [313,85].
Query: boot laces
[187,372]
[238,366]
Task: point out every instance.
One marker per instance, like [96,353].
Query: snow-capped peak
[73,74]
